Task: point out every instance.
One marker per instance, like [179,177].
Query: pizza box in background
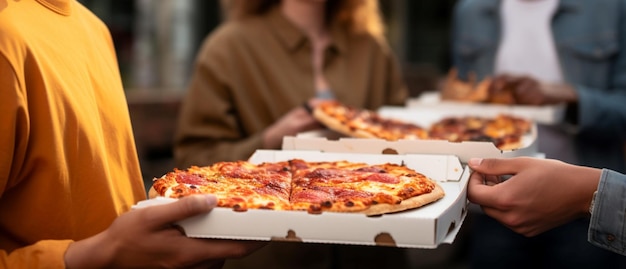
[330,141]
[425,227]
[465,149]
[547,114]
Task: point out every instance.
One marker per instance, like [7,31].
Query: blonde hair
[359,16]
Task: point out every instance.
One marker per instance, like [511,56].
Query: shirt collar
[63,7]
[293,38]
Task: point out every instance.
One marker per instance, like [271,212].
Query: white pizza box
[546,114]
[425,227]
[330,141]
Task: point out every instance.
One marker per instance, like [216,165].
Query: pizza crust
[152,193]
[338,126]
[365,123]
[411,203]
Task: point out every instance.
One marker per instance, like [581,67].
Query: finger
[184,208]
[488,180]
[491,180]
[478,192]
[208,249]
[496,166]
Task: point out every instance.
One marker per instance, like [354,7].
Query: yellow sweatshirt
[68,165]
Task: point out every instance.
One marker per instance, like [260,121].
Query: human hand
[147,238]
[540,194]
[295,121]
[529,91]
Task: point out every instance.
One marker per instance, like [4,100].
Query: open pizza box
[425,227]
[330,141]
[547,114]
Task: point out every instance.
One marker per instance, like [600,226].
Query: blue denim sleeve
[606,228]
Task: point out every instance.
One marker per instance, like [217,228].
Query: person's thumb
[184,208]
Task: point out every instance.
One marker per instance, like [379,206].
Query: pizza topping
[270,189]
[192,179]
[373,169]
[382,178]
[310,195]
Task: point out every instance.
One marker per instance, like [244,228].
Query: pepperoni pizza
[335,186]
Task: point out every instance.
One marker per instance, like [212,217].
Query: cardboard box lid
[425,227]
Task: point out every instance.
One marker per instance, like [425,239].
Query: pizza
[505,131]
[363,123]
[315,187]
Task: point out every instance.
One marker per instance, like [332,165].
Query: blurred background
[157,40]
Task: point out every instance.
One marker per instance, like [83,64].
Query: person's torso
[73,168]
[586,45]
[270,70]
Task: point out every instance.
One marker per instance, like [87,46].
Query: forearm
[89,253]
[586,183]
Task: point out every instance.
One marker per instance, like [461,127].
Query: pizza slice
[239,185]
[341,186]
[363,123]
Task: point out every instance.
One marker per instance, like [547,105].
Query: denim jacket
[590,39]
[606,228]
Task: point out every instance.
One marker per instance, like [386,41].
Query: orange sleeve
[43,254]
